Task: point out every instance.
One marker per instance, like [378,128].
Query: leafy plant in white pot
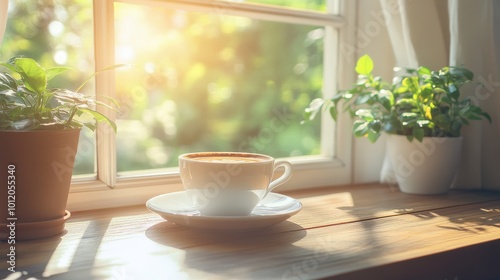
[39,133]
[421,111]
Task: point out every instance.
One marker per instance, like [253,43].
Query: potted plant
[419,104]
[39,133]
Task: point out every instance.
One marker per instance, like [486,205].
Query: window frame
[334,167]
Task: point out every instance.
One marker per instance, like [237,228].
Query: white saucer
[177,208]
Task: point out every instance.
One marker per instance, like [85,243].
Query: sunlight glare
[123,255]
[61,57]
[63,255]
[56,28]
[173,36]
[125,54]
[345,199]
[149,67]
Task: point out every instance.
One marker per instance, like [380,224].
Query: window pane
[56,33]
[316,5]
[212,82]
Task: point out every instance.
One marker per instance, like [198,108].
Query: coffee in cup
[229,183]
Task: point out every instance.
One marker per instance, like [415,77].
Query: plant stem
[72,114]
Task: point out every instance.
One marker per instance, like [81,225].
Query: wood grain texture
[352,232]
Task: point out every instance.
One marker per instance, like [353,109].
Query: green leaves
[424,71]
[369,124]
[459,73]
[53,72]
[386,98]
[418,104]
[98,117]
[32,74]
[7,82]
[364,66]
[27,103]
[313,109]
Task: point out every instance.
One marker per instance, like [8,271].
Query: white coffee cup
[229,183]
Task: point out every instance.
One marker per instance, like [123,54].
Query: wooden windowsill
[352,232]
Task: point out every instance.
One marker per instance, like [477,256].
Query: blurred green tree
[202,81]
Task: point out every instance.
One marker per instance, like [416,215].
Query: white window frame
[334,167]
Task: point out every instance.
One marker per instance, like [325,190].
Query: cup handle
[283,178]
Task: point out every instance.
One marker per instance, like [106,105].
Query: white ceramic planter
[426,167]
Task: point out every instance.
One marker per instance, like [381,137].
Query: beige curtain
[436,33]
[4,5]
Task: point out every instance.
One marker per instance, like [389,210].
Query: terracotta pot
[40,165]
[426,167]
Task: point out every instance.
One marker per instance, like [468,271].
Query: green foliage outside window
[200,81]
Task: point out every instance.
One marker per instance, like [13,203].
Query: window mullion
[330,66]
[105,86]
[345,53]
